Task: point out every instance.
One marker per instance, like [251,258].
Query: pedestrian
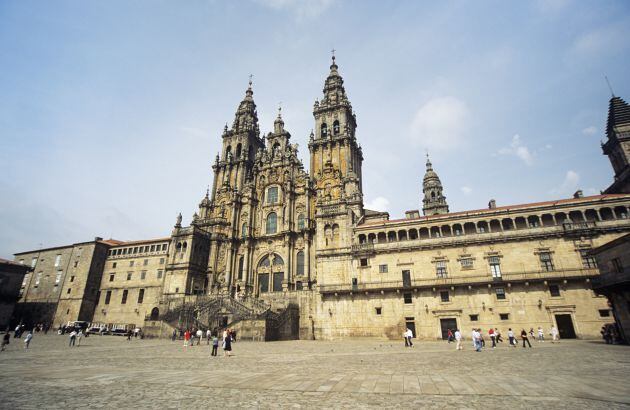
[498,335]
[186,338]
[208,336]
[511,337]
[215,345]
[524,338]
[227,345]
[493,337]
[405,338]
[554,334]
[73,337]
[483,342]
[16,333]
[129,334]
[79,336]
[541,335]
[477,339]
[472,337]
[531,332]
[5,339]
[449,335]
[458,339]
[174,335]
[409,336]
[27,339]
[199,336]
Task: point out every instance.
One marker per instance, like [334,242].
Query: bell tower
[434,201]
[617,145]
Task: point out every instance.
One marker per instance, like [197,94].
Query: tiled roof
[503,208]
[127,243]
[618,114]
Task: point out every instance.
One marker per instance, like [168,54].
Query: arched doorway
[155,313]
[270,273]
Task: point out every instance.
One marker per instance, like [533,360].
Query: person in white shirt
[477,339]
[511,337]
[458,338]
[27,340]
[541,334]
[554,334]
[408,336]
[79,336]
[199,336]
[73,337]
[208,336]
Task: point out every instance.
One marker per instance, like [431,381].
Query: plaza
[109,371]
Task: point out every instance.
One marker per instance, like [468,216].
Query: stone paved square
[111,372]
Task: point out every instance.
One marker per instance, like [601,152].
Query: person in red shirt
[493,337]
[186,337]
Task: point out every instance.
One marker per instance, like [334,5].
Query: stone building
[11,278]
[271,236]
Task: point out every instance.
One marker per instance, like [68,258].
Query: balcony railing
[459,281]
[578,226]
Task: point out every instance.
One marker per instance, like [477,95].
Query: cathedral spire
[246,117]
[434,201]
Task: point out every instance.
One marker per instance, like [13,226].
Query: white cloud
[440,124]
[379,203]
[519,150]
[589,131]
[569,185]
[300,8]
[466,190]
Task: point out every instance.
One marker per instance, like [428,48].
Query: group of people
[19,330]
[495,336]
[192,335]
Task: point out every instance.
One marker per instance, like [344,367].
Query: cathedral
[279,251]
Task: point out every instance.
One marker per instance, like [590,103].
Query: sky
[111,113]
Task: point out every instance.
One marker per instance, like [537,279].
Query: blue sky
[111,112]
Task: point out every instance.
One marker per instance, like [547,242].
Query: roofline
[52,248]
[123,243]
[614,242]
[479,212]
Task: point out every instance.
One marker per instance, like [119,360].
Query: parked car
[119,332]
[101,330]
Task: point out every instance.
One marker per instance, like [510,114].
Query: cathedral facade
[271,233]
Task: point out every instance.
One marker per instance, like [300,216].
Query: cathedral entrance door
[446,324]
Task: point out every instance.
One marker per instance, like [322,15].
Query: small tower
[434,201]
[617,145]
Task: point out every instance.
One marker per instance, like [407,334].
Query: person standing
[554,334]
[497,334]
[186,338]
[174,335]
[409,336]
[524,338]
[511,337]
[531,332]
[477,340]
[493,337]
[541,335]
[208,336]
[79,336]
[215,345]
[449,336]
[199,336]
[227,345]
[458,339]
[27,339]
[73,337]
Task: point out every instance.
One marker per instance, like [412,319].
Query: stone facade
[271,233]
[11,279]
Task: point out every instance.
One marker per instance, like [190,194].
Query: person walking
[215,345]
[541,335]
[458,339]
[5,339]
[449,336]
[199,336]
[73,338]
[524,338]
[511,337]
[227,345]
[497,334]
[174,335]
[477,339]
[27,339]
[208,336]
[554,334]
[409,336]
[79,336]
[493,337]
[531,332]
[186,338]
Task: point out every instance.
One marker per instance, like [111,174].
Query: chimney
[412,214]
[492,204]
[578,194]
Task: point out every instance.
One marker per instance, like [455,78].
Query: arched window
[277,260]
[244,230]
[324,130]
[336,127]
[228,150]
[238,150]
[275,150]
[300,263]
[272,223]
[264,262]
[301,222]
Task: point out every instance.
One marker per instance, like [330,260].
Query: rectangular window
[111,277]
[272,195]
[278,277]
[69,290]
[474,318]
[588,261]
[159,274]
[145,263]
[129,275]
[124,296]
[33,262]
[617,266]
[440,269]
[407,298]
[382,268]
[364,262]
[546,263]
[152,248]
[298,285]
[57,261]
[131,263]
[135,249]
[21,261]
[263,282]
[38,278]
[500,292]
[604,313]
[495,266]
[58,278]
[467,263]
[140,296]
[378,310]
[76,263]
[98,297]
[554,290]
[504,316]
[161,261]
[108,297]
[444,296]
[164,247]
[114,265]
[143,274]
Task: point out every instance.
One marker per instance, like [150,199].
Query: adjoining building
[613,259]
[11,278]
[273,243]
